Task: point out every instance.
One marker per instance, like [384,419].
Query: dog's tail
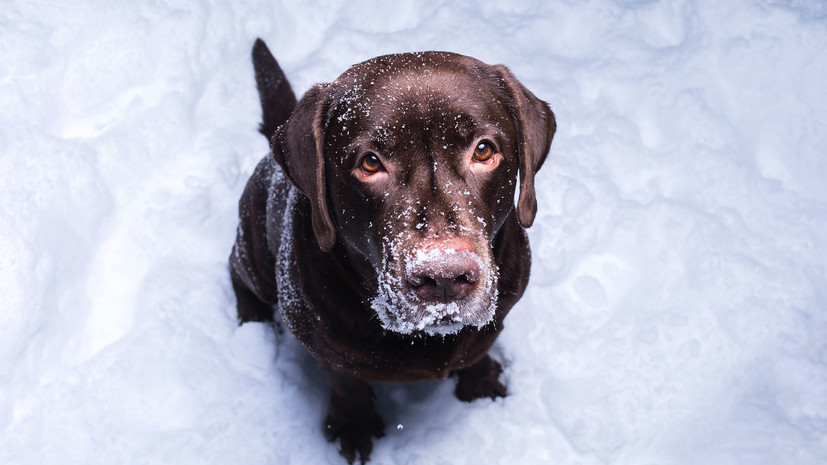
[277,98]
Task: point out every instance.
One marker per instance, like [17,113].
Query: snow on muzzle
[443,271]
[438,288]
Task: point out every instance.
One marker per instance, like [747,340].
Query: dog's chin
[401,311]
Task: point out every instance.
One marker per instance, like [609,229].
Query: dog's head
[412,161]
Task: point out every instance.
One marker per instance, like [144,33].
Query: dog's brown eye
[371,164]
[484,151]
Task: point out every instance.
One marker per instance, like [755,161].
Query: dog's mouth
[438,288]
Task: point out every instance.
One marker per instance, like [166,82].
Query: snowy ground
[677,311]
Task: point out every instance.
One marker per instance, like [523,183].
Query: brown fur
[333,248]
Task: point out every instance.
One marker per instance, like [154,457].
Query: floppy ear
[297,147]
[535,126]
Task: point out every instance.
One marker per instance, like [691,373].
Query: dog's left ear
[535,126]
[297,147]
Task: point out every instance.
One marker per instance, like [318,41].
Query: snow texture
[676,313]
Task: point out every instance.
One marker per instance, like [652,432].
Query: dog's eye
[484,151]
[371,164]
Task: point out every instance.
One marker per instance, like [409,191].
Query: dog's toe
[355,436]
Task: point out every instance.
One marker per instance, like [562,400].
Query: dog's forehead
[395,95]
[420,64]
[391,79]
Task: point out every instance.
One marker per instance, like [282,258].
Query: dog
[383,225]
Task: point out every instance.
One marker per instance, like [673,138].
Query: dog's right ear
[536,126]
[297,147]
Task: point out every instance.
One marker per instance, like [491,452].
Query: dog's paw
[480,380]
[354,434]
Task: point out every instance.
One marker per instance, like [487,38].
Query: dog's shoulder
[263,214]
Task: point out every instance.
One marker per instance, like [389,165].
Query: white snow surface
[677,310]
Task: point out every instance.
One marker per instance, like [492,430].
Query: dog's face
[411,161]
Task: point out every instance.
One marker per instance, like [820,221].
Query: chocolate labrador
[383,224]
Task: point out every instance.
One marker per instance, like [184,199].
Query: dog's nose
[443,271]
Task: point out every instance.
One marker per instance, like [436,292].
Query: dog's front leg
[352,418]
[480,380]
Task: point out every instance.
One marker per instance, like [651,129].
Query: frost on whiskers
[401,311]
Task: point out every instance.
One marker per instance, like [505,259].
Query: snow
[400,310]
[677,308]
